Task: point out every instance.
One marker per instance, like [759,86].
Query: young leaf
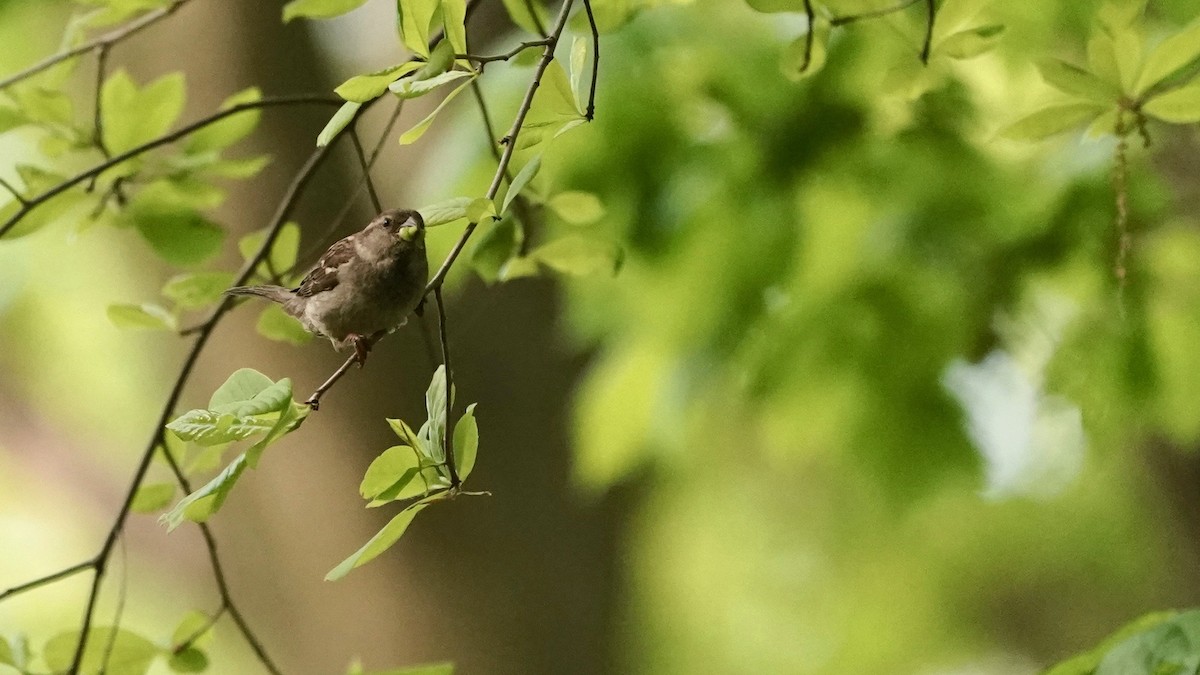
[241,386]
[393,472]
[190,291]
[1102,59]
[276,324]
[177,233]
[414,87]
[1178,106]
[518,10]
[363,88]
[1050,121]
[195,628]
[577,208]
[799,60]
[493,247]
[189,660]
[435,408]
[318,9]
[418,130]
[204,427]
[445,212]
[382,541]
[415,18]
[410,437]
[578,256]
[341,118]
[113,650]
[152,497]
[201,504]
[523,177]
[480,208]
[132,116]
[283,251]
[145,316]
[1174,53]
[454,20]
[230,130]
[578,57]
[466,442]
[1076,81]
[970,43]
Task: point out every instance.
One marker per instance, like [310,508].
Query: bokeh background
[864,396]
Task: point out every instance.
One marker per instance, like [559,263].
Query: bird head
[403,224]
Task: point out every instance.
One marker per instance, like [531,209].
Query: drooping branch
[484,60]
[101,43]
[447,445]
[31,203]
[591,106]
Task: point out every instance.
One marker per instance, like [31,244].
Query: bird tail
[272,293]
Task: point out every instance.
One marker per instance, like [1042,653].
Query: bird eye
[387,222]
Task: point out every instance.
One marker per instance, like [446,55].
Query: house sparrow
[363,286]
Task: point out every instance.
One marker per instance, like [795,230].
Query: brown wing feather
[324,276]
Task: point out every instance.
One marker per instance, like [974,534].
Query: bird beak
[408,232]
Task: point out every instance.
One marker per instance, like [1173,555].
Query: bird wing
[324,276]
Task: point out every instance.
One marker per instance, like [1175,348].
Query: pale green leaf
[492,247]
[6,653]
[454,18]
[1127,45]
[393,472]
[236,168]
[228,130]
[242,385]
[800,60]
[517,268]
[382,541]
[344,116]
[413,87]
[189,660]
[206,428]
[435,409]
[578,255]
[195,627]
[1102,59]
[318,9]
[144,316]
[466,442]
[954,17]
[415,19]
[1178,106]
[284,249]
[1051,121]
[576,207]
[522,179]
[276,324]
[418,130]
[578,57]
[174,229]
[132,116]
[363,88]
[518,10]
[480,208]
[152,497]
[201,504]
[970,43]
[1076,81]
[1166,59]
[445,212]
[130,653]
[198,289]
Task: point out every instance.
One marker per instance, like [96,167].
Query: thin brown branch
[484,60]
[537,20]
[591,106]
[366,169]
[176,135]
[315,400]
[874,14]
[13,191]
[447,445]
[510,143]
[98,107]
[48,579]
[811,17]
[931,16]
[102,42]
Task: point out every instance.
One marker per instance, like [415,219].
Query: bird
[363,287]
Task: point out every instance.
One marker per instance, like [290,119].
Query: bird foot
[362,347]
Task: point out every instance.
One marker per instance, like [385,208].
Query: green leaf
[344,116]
[578,256]
[130,653]
[195,626]
[1050,121]
[517,268]
[205,427]
[410,437]
[6,653]
[1178,106]
[796,64]
[1086,663]
[493,247]
[413,87]
[445,212]
[382,541]
[1127,45]
[363,88]
[152,497]
[577,208]
[466,442]
[970,43]
[522,179]
[276,324]
[578,57]
[241,386]
[284,250]
[1102,59]
[393,472]
[454,20]
[418,130]
[1166,59]
[176,231]
[132,116]
[145,316]
[236,168]
[318,9]
[198,289]
[953,17]
[518,10]
[435,408]
[44,106]
[1118,15]
[201,504]
[415,19]
[480,209]
[1075,81]
[190,660]
[231,129]
[1165,647]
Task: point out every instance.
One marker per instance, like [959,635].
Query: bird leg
[362,347]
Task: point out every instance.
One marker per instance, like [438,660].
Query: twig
[48,579]
[366,167]
[122,596]
[13,191]
[537,20]
[510,144]
[810,36]
[484,60]
[447,446]
[315,400]
[591,106]
[191,639]
[101,70]
[875,14]
[102,42]
[1121,194]
[49,194]
[931,13]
